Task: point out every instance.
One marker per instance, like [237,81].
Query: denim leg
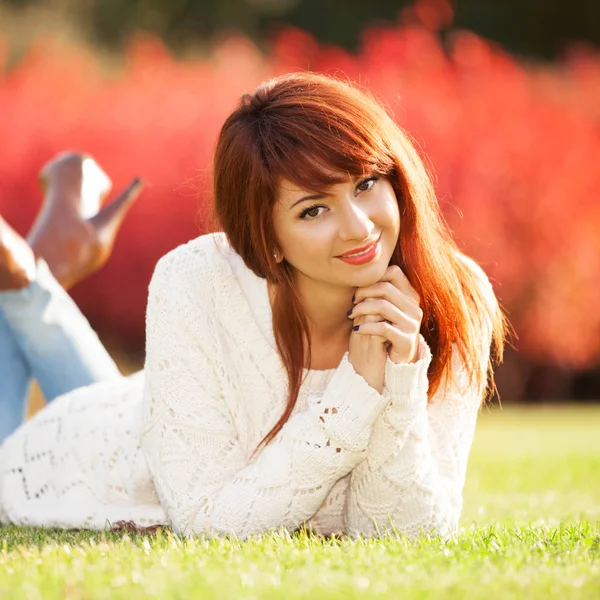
[15,377]
[61,349]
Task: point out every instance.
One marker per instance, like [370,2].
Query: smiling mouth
[362,251]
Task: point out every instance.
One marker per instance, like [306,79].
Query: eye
[366,184]
[309,213]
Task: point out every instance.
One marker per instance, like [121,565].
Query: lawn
[531,530]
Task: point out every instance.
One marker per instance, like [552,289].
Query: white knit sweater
[174,444]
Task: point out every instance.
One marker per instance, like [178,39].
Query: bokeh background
[502,97]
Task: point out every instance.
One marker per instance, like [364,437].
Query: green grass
[531,530]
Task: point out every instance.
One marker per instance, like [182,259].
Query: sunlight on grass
[530,530]
[535,465]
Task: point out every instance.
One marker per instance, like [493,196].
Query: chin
[368,274]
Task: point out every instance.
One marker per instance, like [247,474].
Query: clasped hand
[387,319]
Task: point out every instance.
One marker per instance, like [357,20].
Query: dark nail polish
[353,297]
[356,327]
[349,312]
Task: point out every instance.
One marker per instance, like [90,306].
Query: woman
[321,361]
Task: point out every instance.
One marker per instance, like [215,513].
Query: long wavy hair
[314,131]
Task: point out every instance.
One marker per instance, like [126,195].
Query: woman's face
[314,231]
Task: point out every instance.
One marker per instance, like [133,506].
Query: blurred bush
[515,148]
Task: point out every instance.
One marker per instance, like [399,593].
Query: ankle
[17,265]
[17,261]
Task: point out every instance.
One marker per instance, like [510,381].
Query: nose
[355,224]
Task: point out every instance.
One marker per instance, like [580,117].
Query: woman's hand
[389,310]
[368,353]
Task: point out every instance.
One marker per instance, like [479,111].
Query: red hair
[314,130]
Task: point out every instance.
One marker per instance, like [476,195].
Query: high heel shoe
[17,261]
[73,234]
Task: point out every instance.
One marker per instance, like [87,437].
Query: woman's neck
[326,307]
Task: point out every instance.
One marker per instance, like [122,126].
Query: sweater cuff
[406,384]
[348,408]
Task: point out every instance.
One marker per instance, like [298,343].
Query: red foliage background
[515,148]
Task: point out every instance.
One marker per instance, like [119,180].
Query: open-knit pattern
[175,444]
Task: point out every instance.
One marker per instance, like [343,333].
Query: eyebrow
[305,198]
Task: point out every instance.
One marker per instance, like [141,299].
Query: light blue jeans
[44,336]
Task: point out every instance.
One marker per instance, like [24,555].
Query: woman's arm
[204,476]
[414,474]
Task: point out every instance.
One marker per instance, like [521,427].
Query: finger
[398,278]
[373,338]
[367,319]
[387,312]
[371,318]
[387,290]
[383,329]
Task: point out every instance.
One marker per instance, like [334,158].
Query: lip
[371,253]
[361,249]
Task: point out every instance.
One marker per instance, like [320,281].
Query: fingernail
[355,328]
[353,297]
[349,312]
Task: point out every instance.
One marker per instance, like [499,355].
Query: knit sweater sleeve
[414,474]
[207,481]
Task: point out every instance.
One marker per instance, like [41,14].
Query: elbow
[440,522]
[189,523]
[439,516]
[193,518]
[444,526]
[437,525]
[201,520]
